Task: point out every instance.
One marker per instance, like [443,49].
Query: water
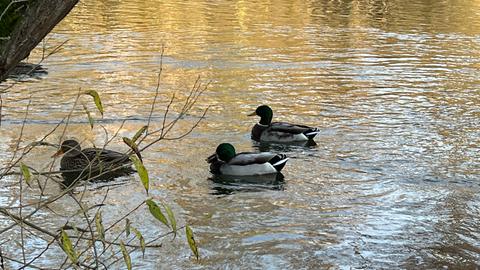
[393,181]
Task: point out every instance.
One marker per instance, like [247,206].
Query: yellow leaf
[127,226]
[139,133]
[133,146]
[140,238]
[90,118]
[156,211]
[99,226]
[68,247]
[96,99]
[171,218]
[26,173]
[142,171]
[191,241]
[126,256]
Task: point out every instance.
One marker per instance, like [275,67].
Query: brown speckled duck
[91,163]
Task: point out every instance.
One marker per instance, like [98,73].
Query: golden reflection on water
[394,86]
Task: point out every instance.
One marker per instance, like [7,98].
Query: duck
[91,163]
[225,161]
[268,131]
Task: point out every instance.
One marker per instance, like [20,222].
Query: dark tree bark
[37,20]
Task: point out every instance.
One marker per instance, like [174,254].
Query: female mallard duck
[97,163]
[268,131]
[225,161]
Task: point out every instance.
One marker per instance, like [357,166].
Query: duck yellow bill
[58,153]
[252,114]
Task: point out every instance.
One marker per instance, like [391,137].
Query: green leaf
[127,226]
[191,241]
[90,118]
[99,226]
[68,247]
[139,133]
[141,239]
[96,99]
[26,173]
[171,218]
[126,256]
[133,146]
[156,211]
[142,172]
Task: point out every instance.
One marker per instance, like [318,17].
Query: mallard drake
[226,162]
[96,163]
[268,131]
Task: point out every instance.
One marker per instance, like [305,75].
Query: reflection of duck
[284,147]
[225,161]
[97,163]
[269,131]
[228,184]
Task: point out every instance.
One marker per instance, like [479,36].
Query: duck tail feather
[311,133]
[279,161]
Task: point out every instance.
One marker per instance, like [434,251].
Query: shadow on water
[27,70]
[283,147]
[228,184]
[71,177]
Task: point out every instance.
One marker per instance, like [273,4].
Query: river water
[394,86]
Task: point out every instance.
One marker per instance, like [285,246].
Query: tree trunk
[36,21]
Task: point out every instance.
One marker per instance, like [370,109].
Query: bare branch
[85,239]
[157,88]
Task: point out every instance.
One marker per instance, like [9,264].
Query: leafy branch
[91,242]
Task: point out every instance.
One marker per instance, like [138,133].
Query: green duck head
[225,152]
[265,114]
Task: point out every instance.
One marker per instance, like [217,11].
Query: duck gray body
[268,131]
[225,161]
[282,132]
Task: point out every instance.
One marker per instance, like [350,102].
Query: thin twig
[27,150]
[192,128]
[9,5]
[35,66]
[90,256]
[22,128]
[2,265]
[156,89]
[20,262]
[22,237]
[62,136]
[1,108]
[25,265]
[89,224]
[151,241]
[21,220]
